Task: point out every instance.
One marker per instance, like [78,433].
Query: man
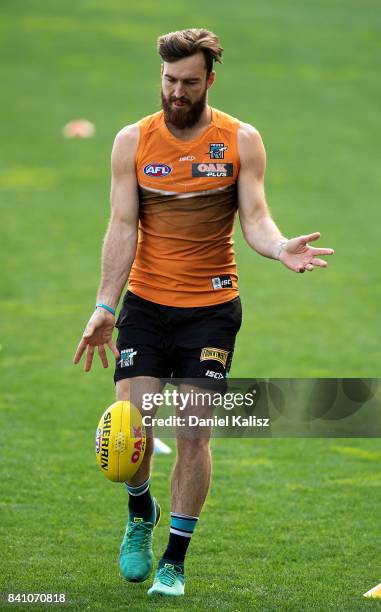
[178,178]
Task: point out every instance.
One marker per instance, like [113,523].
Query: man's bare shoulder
[125,145]
[248,135]
[250,145]
[128,135]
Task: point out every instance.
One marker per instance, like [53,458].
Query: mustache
[182,99]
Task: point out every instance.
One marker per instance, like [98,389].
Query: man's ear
[211,78]
[161,69]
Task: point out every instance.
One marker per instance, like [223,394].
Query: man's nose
[179,90]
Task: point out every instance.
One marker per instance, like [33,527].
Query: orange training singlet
[187,207]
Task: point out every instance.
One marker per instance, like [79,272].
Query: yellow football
[120,441]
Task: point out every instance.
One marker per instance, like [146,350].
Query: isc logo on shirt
[157,170]
[222,282]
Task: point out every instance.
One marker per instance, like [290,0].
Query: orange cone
[79,128]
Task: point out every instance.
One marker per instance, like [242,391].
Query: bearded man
[179,177]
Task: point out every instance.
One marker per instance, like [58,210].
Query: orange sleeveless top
[187,207]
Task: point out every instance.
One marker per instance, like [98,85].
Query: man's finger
[113,348]
[319,262]
[89,357]
[322,251]
[102,355]
[79,352]
[309,267]
[311,237]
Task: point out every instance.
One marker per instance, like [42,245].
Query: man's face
[184,87]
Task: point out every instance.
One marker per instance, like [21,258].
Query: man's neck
[192,133]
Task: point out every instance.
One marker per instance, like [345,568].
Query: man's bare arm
[119,245]
[118,249]
[258,227]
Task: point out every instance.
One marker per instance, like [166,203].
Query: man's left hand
[297,255]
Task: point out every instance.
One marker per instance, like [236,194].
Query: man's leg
[136,558]
[191,475]
[132,389]
[189,487]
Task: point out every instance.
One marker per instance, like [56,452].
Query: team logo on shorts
[209,169]
[214,354]
[217,150]
[127,357]
[157,170]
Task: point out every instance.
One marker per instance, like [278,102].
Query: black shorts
[170,342]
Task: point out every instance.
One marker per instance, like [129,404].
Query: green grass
[289,524]
[276,533]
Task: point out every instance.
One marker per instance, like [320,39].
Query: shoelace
[167,575]
[139,535]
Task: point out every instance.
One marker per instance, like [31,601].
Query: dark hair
[183,43]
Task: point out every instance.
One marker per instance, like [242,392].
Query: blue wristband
[108,308]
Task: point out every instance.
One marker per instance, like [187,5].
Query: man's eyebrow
[170,76]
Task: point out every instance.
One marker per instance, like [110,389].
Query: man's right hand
[98,333]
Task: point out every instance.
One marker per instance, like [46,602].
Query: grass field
[289,524]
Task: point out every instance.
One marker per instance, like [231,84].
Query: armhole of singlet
[139,147]
[237,127]
[232,124]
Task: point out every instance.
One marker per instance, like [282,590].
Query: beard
[185,117]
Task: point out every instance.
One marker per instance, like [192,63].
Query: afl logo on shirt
[157,170]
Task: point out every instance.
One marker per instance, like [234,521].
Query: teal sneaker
[169,580]
[136,557]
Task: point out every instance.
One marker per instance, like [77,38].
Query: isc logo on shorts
[157,170]
[216,375]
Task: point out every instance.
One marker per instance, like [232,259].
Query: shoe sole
[160,595]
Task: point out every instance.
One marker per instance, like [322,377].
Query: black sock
[176,548]
[180,533]
[140,502]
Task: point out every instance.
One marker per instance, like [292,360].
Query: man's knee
[192,446]
[136,388]
[122,390]
[123,394]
